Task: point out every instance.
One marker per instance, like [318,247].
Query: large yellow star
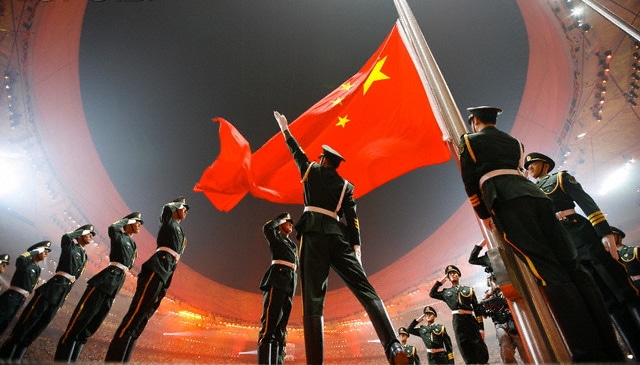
[342,121]
[375,75]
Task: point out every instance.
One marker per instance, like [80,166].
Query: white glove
[282,121]
[609,243]
[358,252]
[40,250]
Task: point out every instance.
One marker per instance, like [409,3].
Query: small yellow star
[346,86]
[337,101]
[342,121]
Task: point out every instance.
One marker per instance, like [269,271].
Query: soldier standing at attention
[468,323]
[434,336]
[410,350]
[502,197]
[153,281]
[5,259]
[49,297]
[101,289]
[326,242]
[629,256]
[595,243]
[23,281]
[278,286]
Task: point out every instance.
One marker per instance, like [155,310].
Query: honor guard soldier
[4,262]
[468,324]
[434,336]
[595,243]
[23,281]
[278,286]
[326,243]
[102,288]
[410,350]
[503,198]
[49,297]
[495,305]
[153,281]
[629,256]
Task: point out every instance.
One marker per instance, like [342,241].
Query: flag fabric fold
[380,120]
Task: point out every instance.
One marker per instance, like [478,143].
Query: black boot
[268,353]
[19,353]
[7,350]
[625,319]
[382,324]
[282,353]
[314,339]
[576,323]
[76,352]
[120,349]
[64,351]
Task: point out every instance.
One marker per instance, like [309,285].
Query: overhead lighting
[617,178]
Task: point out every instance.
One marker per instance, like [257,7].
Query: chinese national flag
[380,120]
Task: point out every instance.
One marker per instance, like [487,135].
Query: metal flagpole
[614,19]
[539,333]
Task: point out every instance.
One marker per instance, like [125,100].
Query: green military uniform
[101,291]
[526,216]
[467,319]
[435,338]
[278,285]
[630,258]
[49,297]
[23,282]
[621,296]
[153,281]
[496,307]
[409,350]
[327,242]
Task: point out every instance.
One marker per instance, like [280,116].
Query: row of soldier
[568,254]
[102,288]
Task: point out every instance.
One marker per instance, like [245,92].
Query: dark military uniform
[278,286]
[630,258]
[435,338]
[621,296]
[489,162]
[409,350]
[23,282]
[49,297]
[153,281]
[496,307]
[101,291]
[326,242]
[467,319]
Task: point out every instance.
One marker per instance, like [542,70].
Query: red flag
[380,120]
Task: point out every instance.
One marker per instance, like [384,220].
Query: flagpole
[539,333]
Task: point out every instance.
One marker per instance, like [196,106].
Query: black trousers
[470,343]
[38,313]
[10,303]
[276,308]
[149,293]
[537,237]
[86,319]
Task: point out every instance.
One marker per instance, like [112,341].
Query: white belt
[562,215]
[285,263]
[497,172]
[119,266]
[435,351]
[331,214]
[70,277]
[19,290]
[172,252]
[461,311]
[635,277]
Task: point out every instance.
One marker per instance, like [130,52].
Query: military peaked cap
[403,331]
[4,258]
[178,203]
[429,309]
[87,229]
[133,217]
[535,156]
[451,268]
[283,217]
[488,114]
[45,244]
